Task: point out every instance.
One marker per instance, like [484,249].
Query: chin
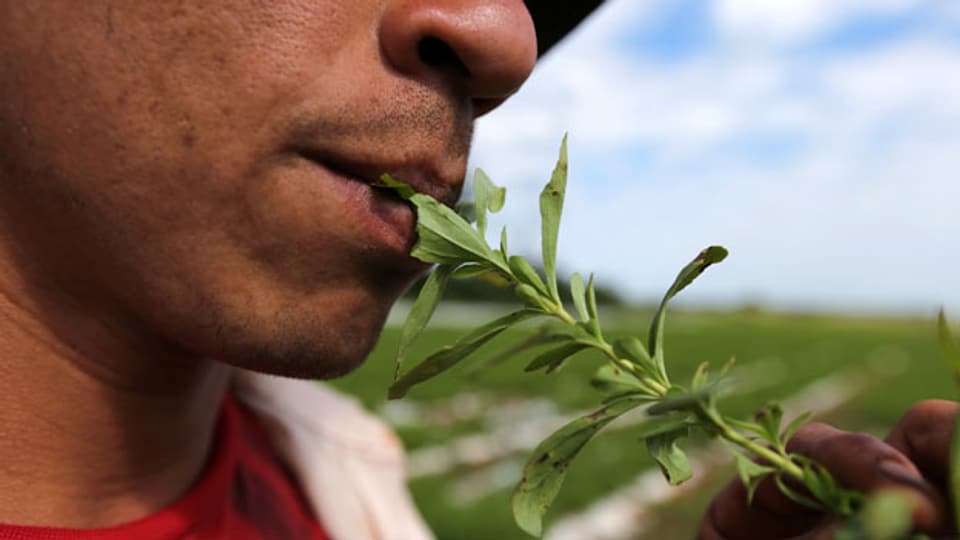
[304,341]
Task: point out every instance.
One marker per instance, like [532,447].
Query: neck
[98,427]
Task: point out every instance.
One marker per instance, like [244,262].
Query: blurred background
[818,140]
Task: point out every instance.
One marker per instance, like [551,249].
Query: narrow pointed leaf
[680,401]
[487,197]
[751,474]
[769,418]
[612,379]
[421,311]
[503,243]
[449,356]
[690,272]
[700,377]
[795,424]
[579,294]
[672,460]
[554,358]
[545,470]
[551,207]
[796,496]
[546,335]
[526,273]
[653,426]
[632,349]
[756,429]
[468,271]
[594,321]
[948,345]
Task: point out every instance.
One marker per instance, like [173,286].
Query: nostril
[435,53]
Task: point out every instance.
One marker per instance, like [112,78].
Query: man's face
[197,172]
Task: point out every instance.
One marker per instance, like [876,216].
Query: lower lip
[385,219]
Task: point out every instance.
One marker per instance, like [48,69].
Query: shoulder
[350,464]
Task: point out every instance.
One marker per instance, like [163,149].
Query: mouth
[422,176]
[383,217]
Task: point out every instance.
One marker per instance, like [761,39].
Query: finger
[731,517]
[923,435]
[865,463]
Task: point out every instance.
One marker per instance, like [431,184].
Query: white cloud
[792,21]
[860,211]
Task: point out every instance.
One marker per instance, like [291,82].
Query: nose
[483,50]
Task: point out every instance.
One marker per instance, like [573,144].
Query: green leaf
[400,188]
[748,426]
[579,295]
[690,272]
[610,379]
[632,349]
[487,197]
[546,335]
[554,358]
[526,273]
[531,297]
[700,377]
[594,322]
[751,474]
[653,426]
[679,401]
[421,311]
[551,207]
[769,418]
[671,459]
[503,243]
[450,355]
[444,237]
[795,424]
[825,490]
[795,495]
[468,271]
[727,366]
[547,466]
[948,345]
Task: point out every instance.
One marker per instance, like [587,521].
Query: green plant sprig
[635,373]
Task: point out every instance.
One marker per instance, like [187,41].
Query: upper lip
[424,175]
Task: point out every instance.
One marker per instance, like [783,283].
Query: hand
[914,459]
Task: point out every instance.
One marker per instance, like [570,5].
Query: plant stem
[657,389]
[781,462]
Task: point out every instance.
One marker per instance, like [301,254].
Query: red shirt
[245,494]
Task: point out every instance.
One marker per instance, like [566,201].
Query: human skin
[913,459]
[183,189]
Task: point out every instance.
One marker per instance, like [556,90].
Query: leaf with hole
[547,467]
[672,460]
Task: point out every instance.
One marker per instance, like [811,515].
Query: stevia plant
[634,374]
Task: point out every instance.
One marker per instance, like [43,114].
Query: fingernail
[901,474]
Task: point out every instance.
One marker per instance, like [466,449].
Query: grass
[897,357]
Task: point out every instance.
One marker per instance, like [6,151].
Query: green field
[894,360]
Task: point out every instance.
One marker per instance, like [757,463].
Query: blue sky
[818,140]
